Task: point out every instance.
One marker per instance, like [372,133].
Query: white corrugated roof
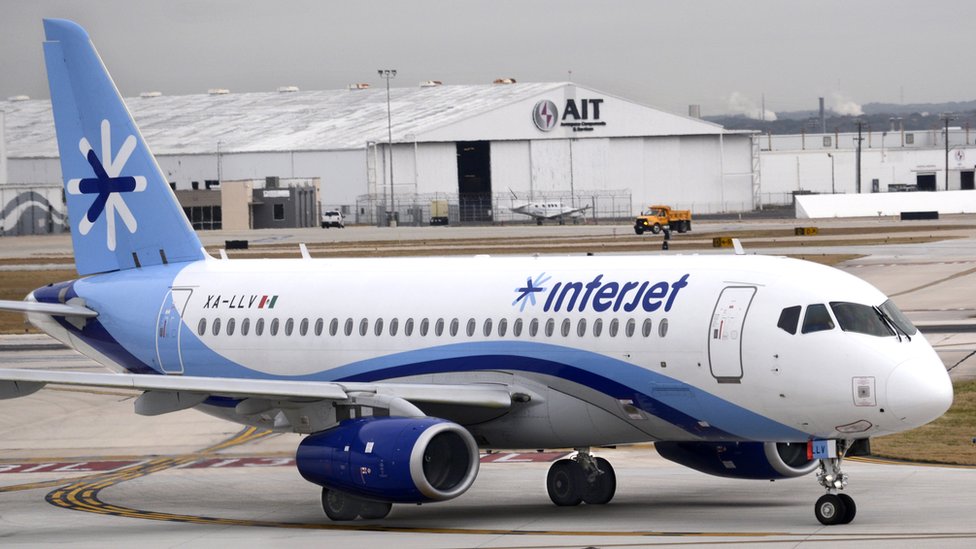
[273,121]
[292,121]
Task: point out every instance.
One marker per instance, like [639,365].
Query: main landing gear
[583,478]
[340,506]
[834,508]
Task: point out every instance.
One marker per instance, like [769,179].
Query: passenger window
[408,327]
[439,327]
[789,318]
[631,327]
[597,327]
[259,327]
[364,327]
[487,328]
[455,324]
[216,326]
[647,327]
[347,329]
[567,325]
[202,327]
[334,327]
[273,329]
[245,326]
[378,327]
[517,327]
[289,326]
[614,327]
[394,326]
[303,327]
[319,326]
[533,327]
[230,326]
[424,326]
[817,319]
[662,327]
[502,327]
[470,328]
[581,327]
[861,319]
[550,327]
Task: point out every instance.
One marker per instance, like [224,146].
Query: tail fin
[123,213]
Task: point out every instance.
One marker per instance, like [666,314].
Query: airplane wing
[163,394]
[54,309]
[563,213]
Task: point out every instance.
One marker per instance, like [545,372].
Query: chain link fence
[481,208]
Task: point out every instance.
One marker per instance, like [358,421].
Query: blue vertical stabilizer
[122,211]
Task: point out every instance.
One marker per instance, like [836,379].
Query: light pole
[389,74]
[219,143]
[833,190]
[946,117]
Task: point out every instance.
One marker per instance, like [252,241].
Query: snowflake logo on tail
[527,293]
[107,185]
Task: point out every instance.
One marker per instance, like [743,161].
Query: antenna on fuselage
[738,247]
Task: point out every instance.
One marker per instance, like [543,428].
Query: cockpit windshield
[898,318]
[861,319]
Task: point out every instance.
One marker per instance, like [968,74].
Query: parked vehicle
[657,218]
[332,218]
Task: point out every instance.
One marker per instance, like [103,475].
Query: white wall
[871,205]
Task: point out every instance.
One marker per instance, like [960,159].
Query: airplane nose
[919,391]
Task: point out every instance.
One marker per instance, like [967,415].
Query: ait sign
[581,115]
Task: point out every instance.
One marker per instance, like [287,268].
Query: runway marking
[82,494]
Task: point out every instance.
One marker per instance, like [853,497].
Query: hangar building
[481,148]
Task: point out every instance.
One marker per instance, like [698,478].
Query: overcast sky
[723,55]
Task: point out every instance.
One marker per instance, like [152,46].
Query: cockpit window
[817,319]
[789,319]
[861,319]
[898,318]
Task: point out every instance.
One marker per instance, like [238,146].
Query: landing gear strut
[340,507]
[834,508]
[583,478]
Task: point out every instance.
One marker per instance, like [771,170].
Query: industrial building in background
[468,154]
[471,147]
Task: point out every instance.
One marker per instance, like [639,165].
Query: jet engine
[392,459]
[749,460]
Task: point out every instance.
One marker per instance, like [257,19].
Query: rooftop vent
[430,83]
[150,95]
[504,81]
[19,98]
[359,86]
[287,89]
[218,91]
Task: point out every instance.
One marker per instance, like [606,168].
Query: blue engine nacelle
[392,459]
[749,460]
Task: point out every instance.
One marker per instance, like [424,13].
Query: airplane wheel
[538,222]
[850,506]
[656,228]
[603,487]
[373,510]
[830,510]
[340,506]
[565,483]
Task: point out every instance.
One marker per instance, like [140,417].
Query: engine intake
[748,460]
[398,460]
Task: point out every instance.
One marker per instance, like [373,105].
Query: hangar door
[725,333]
[474,180]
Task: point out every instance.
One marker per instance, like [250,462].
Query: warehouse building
[483,149]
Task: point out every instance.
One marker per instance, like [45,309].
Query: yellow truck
[657,218]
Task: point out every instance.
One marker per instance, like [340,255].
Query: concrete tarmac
[80,467]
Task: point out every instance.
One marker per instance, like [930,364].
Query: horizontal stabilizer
[53,309]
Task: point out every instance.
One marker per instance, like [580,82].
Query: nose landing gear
[834,508]
[583,478]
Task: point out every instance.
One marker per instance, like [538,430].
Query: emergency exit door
[725,333]
[169,330]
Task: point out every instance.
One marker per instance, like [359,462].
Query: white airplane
[400,370]
[548,210]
